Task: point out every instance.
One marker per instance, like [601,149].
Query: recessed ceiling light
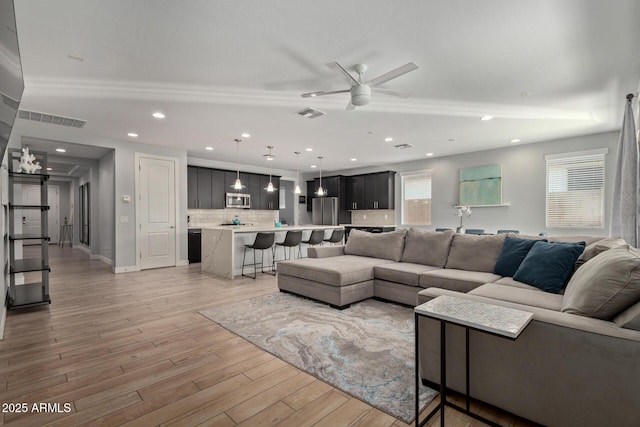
[158,115]
[513,141]
[308,149]
[388,139]
[313,166]
[61,150]
[429,154]
[49,169]
[132,134]
[353,159]
[208,148]
[485,118]
[245,135]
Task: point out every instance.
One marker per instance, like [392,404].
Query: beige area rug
[366,350]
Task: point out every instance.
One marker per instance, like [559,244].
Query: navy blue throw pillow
[512,254]
[548,266]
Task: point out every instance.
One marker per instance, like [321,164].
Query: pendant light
[297,190]
[320,191]
[270,188]
[238,184]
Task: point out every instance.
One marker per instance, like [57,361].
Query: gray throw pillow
[427,247]
[629,318]
[376,245]
[604,286]
[475,252]
[598,247]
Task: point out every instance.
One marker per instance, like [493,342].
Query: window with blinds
[575,189]
[416,198]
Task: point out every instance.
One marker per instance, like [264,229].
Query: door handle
[171,227]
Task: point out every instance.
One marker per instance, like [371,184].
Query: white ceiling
[217,69]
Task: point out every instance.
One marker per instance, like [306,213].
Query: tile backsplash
[373,217]
[211,217]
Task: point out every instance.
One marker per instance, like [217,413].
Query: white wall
[524,184]
[124,161]
[106,215]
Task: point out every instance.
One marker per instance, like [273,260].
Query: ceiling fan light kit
[360,90]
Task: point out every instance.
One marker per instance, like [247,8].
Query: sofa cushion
[456,280]
[533,297]
[509,281]
[598,247]
[427,247]
[376,245]
[475,252]
[512,254]
[629,318]
[406,273]
[604,286]
[574,239]
[548,265]
[336,271]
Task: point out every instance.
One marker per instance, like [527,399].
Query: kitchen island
[223,246]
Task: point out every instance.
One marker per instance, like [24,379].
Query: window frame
[575,158]
[410,174]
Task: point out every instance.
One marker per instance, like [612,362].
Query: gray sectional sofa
[577,363]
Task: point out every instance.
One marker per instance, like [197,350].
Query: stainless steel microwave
[238,200]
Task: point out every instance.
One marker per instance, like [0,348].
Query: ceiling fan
[360,89]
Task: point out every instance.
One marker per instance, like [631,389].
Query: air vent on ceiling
[404,146]
[310,113]
[51,118]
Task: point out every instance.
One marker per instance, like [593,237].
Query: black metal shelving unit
[31,293]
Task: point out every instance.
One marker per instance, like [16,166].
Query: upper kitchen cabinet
[269,201]
[355,189]
[380,190]
[192,187]
[218,189]
[204,188]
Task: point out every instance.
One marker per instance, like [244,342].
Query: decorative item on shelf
[28,162]
[297,190]
[461,211]
[238,184]
[235,220]
[320,192]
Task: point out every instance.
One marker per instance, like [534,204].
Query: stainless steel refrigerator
[325,211]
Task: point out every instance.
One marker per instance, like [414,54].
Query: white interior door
[157,210]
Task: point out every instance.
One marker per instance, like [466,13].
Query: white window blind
[416,198]
[575,190]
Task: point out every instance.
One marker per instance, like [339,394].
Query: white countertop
[369,225]
[267,228]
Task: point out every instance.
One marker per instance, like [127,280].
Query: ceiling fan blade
[322,93]
[392,74]
[391,92]
[344,73]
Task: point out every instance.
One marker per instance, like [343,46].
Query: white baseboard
[83,249]
[125,269]
[3,321]
[182,262]
[103,258]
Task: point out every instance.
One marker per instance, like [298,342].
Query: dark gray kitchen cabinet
[380,190]
[192,187]
[355,189]
[218,189]
[204,188]
[311,188]
[269,201]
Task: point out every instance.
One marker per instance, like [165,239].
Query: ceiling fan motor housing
[360,95]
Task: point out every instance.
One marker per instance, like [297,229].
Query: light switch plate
[124,219]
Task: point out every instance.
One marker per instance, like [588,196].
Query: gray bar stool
[291,240]
[262,242]
[336,236]
[316,238]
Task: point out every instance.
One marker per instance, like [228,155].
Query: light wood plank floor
[131,349]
